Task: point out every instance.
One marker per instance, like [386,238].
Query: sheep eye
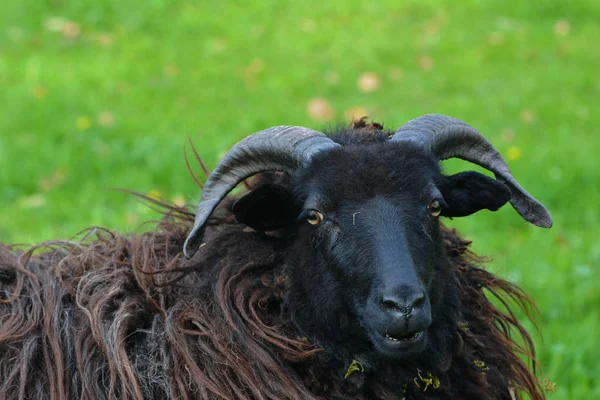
[314,217]
[435,208]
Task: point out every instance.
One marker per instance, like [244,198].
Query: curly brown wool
[128,317]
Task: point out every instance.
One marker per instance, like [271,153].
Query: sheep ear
[468,192]
[266,208]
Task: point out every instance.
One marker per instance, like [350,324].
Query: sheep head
[366,261]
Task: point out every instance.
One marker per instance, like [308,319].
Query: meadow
[104,94]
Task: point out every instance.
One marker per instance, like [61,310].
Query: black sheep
[347,286]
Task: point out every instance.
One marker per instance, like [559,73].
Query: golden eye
[435,208]
[314,217]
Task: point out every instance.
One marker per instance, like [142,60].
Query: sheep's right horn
[446,137]
[281,148]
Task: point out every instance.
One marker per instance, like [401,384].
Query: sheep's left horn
[447,137]
[281,148]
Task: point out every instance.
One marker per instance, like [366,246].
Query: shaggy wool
[128,317]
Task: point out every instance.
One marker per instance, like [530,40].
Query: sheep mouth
[398,345]
[395,338]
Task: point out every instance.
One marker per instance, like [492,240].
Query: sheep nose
[404,304]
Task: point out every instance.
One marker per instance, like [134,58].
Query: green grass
[524,73]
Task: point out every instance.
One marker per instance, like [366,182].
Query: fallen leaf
[34,201]
[255,67]
[432,28]
[171,70]
[562,51]
[562,27]
[396,73]
[527,116]
[495,39]
[430,33]
[106,118]
[101,149]
[122,87]
[104,39]
[368,82]
[308,25]
[507,135]
[355,366]
[40,92]
[56,179]
[256,31]
[531,56]
[319,109]
[426,63]
[55,24]
[71,29]
[219,45]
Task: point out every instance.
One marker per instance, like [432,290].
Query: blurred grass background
[102,94]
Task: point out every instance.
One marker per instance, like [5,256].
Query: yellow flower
[154,194]
[84,123]
[514,153]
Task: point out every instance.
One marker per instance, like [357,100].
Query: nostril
[405,305]
[390,302]
[417,301]
[397,305]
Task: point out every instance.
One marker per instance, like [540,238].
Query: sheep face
[366,265]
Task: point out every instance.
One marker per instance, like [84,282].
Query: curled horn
[447,137]
[281,148]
